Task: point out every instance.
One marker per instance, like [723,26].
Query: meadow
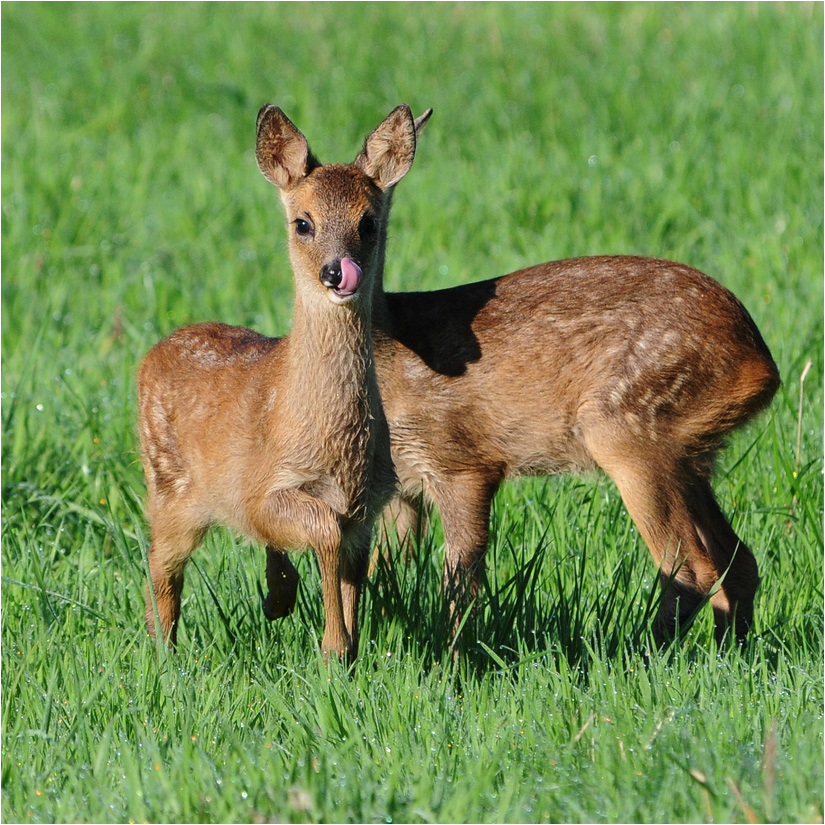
[132,205]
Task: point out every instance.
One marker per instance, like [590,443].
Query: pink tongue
[350,275]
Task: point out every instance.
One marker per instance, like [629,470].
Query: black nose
[331,274]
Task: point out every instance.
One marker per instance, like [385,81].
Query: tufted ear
[389,151]
[282,152]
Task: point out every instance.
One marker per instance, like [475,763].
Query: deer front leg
[293,518]
[465,514]
[354,564]
[282,580]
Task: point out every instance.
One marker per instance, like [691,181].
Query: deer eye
[302,227]
[368,227]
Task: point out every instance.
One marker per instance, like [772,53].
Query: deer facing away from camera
[636,366]
[284,440]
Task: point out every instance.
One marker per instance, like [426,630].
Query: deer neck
[330,358]
[332,400]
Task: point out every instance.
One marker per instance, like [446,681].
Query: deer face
[336,219]
[337,214]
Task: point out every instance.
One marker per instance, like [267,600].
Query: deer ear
[282,152]
[389,151]
[421,122]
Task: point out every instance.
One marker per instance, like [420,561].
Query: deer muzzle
[341,277]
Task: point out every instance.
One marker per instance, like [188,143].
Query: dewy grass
[131,205]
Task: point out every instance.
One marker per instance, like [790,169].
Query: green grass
[131,204]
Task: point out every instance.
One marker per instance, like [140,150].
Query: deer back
[510,367]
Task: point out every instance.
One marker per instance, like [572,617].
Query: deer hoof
[277,607]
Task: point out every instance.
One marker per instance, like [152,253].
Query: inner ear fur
[281,150]
[389,150]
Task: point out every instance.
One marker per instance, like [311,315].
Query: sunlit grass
[131,205]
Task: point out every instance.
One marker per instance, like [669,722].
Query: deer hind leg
[733,601]
[173,541]
[657,494]
[295,519]
[282,580]
[687,573]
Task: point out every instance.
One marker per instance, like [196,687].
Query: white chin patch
[340,299]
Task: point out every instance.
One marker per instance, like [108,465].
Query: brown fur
[285,440]
[637,366]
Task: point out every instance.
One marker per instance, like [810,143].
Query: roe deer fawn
[284,440]
[637,366]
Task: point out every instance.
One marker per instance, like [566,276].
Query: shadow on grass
[540,606]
